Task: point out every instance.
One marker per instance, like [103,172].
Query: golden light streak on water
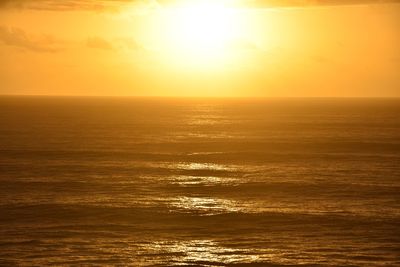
[205,252]
[204,205]
[187,180]
[204,166]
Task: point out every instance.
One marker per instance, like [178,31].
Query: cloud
[116,44]
[68,5]
[129,43]
[99,43]
[102,5]
[19,38]
[16,37]
[294,3]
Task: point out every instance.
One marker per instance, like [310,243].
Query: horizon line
[186,97]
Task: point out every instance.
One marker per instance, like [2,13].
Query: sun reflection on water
[204,205]
[187,180]
[204,252]
[204,166]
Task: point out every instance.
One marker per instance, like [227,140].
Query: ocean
[119,181]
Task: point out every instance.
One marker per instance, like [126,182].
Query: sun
[201,32]
[203,26]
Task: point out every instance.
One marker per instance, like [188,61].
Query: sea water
[199,182]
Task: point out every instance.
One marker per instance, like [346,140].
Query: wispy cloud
[24,41]
[19,38]
[129,43]
[293,3]
[99,43]
[103,5]
[123,43]
[63,5]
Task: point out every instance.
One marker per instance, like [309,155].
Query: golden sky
[200,48]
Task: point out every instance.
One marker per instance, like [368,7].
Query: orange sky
[243,48]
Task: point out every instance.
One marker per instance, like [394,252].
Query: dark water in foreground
[168,182]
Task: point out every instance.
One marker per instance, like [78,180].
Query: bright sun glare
[201,32]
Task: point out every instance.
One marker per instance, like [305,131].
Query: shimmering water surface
[199,182]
